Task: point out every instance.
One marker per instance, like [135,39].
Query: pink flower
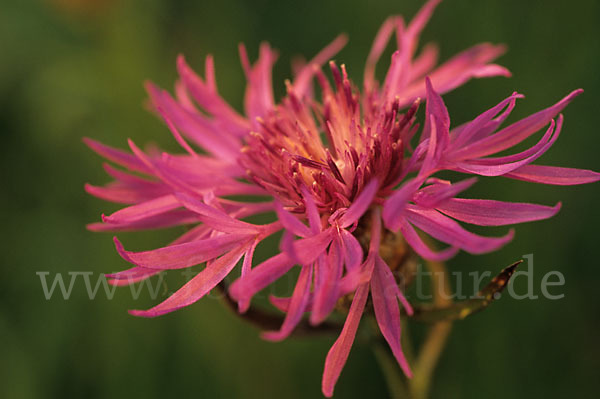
[365,173]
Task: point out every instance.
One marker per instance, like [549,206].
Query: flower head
[343,170]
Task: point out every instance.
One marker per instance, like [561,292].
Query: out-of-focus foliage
[73,68]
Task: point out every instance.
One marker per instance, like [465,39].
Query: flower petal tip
[121,250]
[139,313]
[273,336]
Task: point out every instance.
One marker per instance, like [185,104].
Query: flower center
[333,147]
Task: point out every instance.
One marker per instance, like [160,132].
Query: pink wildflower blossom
[363,172]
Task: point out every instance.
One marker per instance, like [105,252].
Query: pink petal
[471,63]
[348,284]
[399,72]
[502,165]
[307,249]
[167,219]
[394,206]
[286,245]
[259,277]
[379,44]
[196,233]
[167,177]
[130,276]
[144,210]
[176,134]
[128,178]
[203,167]
[126,194]
[338,354]
[290,222]
[432,157]
[259,91]
[198,286]
[423,64]
[484,124]
[182,255]
[312,212]
[396,76]
[195,126]
[206,95]
[246,267]
[435,107]
[450,232]
[431,196]
[387,312]
[553,175]
[546,139]
[302,81]
[117,156]
[132,280]
[360,204]
[326,292]
[421,18]
[217,219]
[353,254]
[495,213]
[515,133]
[297,306]
[413,239]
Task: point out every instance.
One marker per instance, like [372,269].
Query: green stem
[428,358]
[436,338]
[394,378]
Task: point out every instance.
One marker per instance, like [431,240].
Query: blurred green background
[73,68]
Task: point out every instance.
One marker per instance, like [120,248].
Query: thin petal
[423,64]
[484,124]
[338,354]
[259,92]
[260,276]
[379,44]
[471,63]
[246,267]
[297,306]
[167,219]
[206,95]
[198,286]
[495,213]
[302,81]
[125,194]
[353,254]
[431,196]
[312,212]
[435,107]
[117,156]
[195,126]
[290,222]
[554,175]
[422,17]
[182,255]
[515,133]
[450,232]
[144,210]
[307,249]
[360,204]
[394,206]
[130,276]
[217,219]
[326,294]
[502,165]
[176,134]
[413,239]
[387,311]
